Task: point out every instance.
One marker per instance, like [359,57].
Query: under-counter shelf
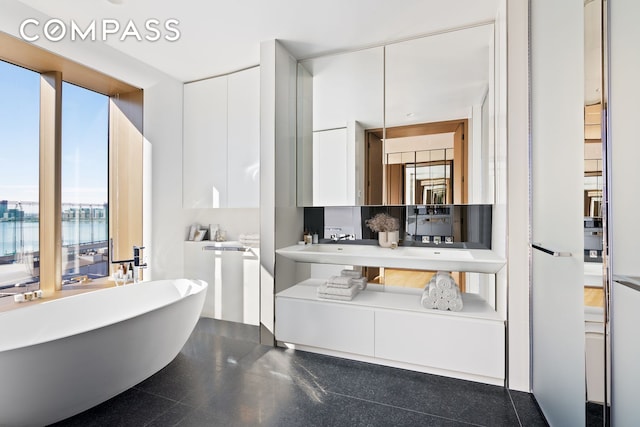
[408,257]
[400,299]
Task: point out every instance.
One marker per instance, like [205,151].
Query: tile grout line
[175,403]
[513,405]
[404,409]
[155,395]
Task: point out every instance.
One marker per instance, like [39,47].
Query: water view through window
[85,118]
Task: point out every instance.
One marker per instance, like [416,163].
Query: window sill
[8,304]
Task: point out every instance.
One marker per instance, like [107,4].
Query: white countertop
[401,299]
[409,257]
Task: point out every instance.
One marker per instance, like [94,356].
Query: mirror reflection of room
[406,123]
[594,293]
[422,164]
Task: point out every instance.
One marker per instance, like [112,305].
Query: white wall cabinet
[337,173]
[243,139]
[221,142]
[204,151]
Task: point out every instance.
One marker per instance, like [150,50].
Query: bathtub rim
[202,287]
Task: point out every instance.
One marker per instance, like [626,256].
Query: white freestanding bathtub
[64,356]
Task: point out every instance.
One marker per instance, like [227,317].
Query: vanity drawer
[469,345]
[326,325]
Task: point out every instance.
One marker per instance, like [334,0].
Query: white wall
[163,131]
[518,190]
[280,218]
[96,55]
[624,96]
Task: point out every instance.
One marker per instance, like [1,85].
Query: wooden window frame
[125,152]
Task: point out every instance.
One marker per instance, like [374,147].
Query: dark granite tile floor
[224,377]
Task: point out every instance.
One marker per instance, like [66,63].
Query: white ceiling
[219,37]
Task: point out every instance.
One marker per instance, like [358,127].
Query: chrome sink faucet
[338,237]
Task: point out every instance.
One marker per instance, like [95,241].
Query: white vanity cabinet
[221,141]
[388,326]
[233,276]
[339,327]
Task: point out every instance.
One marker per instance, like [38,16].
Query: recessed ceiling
[220,37]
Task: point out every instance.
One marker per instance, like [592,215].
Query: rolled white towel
[445,281]
[361,283]
[350,291]
[339,282]
[435,292]
[430,283]
[428,301]
[351,273]
[442,304]
[456,304]
[451,293]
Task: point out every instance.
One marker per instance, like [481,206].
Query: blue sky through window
[85,121]
[19,133]
[84,133]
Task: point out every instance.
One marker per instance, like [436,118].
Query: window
[70,169]
[19,175]
[85,177]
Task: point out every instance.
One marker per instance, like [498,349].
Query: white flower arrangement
[383,222]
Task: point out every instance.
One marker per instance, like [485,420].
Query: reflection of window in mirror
[421,164]
[429,183]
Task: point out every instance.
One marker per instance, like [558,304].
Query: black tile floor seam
[514,408]
[161,414]
[407,409]
[155,394]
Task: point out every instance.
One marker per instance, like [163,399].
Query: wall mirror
[406,123]
[595,283]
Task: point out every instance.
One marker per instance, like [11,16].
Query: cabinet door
[330,168]
[233,293]
[325,325]
[204,151]
[243,173]
[471,346]
[198,265]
